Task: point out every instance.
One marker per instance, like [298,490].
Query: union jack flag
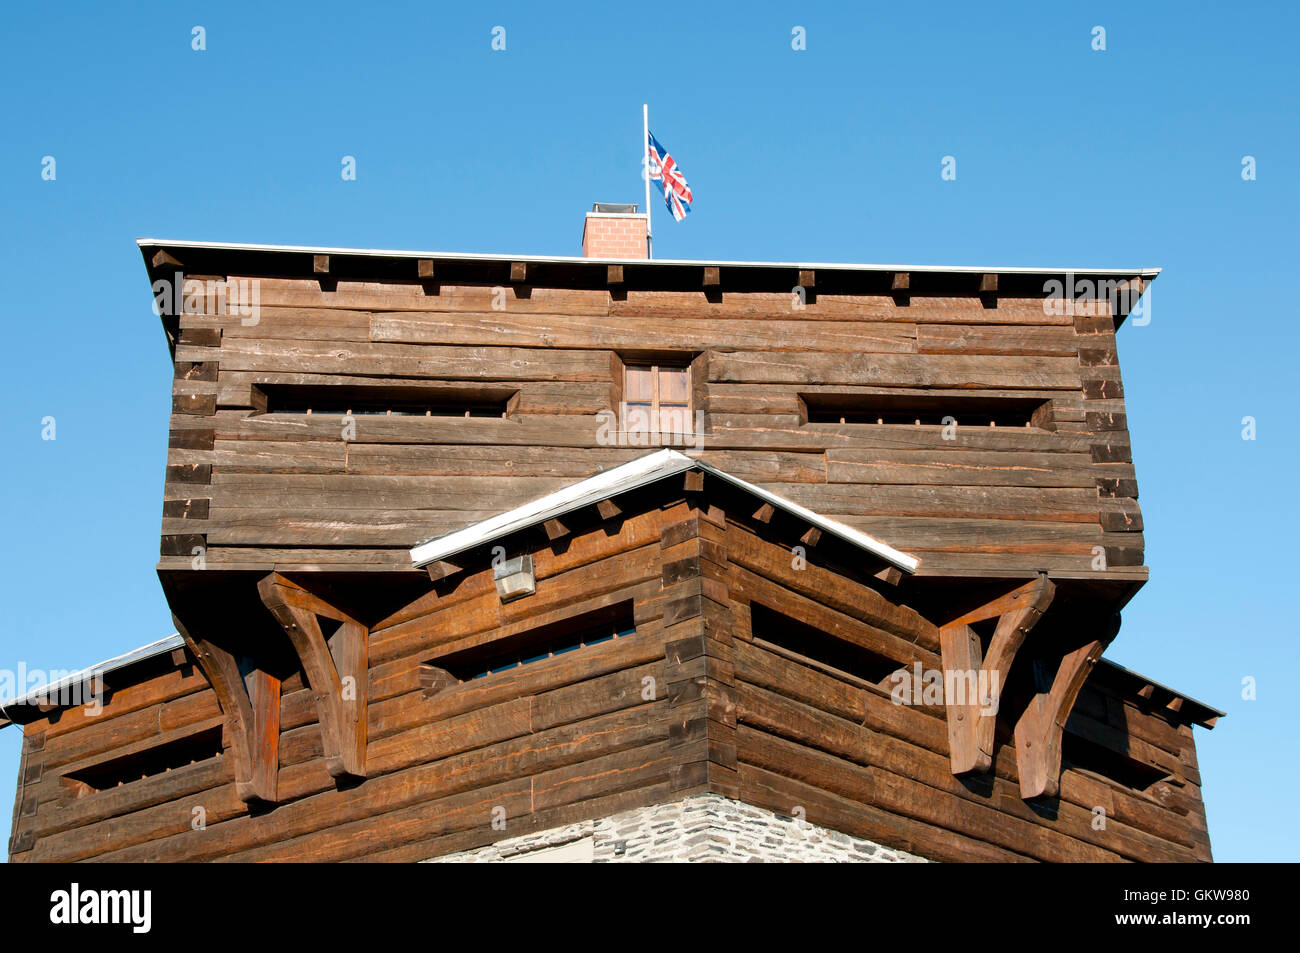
[664,172]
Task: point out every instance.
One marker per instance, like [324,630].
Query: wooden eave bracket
[1038,732]
[901,288]
[250,701]
[555,528]
[336,669]
[972,721]
[441,569]
[989,290]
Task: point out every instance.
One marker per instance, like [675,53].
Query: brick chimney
[614,231]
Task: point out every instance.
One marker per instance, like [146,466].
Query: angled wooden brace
[972,720]
[1038,732]
[335,669]
[250,700]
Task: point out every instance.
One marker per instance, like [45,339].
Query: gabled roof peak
[640,472]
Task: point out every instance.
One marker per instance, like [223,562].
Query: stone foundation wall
[705,827]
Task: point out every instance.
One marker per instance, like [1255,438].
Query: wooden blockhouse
[464,548]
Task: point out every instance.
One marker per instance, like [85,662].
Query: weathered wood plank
[939,370]
[690,333]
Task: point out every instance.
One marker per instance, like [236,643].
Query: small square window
[658,397]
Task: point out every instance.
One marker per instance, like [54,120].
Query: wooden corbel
[901,288]
[336,669]
[250,699]
[1038,732]
[971,723]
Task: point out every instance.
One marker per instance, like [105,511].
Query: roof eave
[650,262]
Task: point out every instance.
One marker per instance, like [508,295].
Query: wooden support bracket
[250,701]
[891,575]
[989,290]
[971,721]
[441,569]
[901,288]
[555,528]
[336,669]
[1038,732]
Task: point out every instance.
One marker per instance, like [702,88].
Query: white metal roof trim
[622,479]
[577,259]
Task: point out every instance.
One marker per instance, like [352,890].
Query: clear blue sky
[1130,157]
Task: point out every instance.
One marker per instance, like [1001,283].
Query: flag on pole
[663,171]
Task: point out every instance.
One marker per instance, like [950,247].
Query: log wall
[692,700]
[265,491]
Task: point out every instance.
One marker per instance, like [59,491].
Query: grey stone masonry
[703,827]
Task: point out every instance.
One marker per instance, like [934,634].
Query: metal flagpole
[645,162]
